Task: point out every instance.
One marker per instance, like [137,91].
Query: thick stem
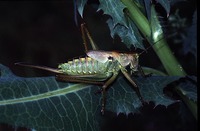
[190,104]
[161,48]
[167,58]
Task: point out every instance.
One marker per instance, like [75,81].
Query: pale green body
[89,68]
[100,67]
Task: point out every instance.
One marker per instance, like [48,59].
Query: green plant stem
[161,48]
[190,104]
[167,58]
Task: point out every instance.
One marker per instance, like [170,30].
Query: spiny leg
[104,87]
[84,37]
[83,31]
[134,85]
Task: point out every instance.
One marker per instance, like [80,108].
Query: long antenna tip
[18,63]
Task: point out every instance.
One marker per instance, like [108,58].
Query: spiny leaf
[165,4]
[80,6]
[41,103]
[129,36]
[114,8]
[148,8]
[189,88]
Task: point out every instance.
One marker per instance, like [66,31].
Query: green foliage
[42,103]
[114,9]
[148,24]
[80,4]
[129,35]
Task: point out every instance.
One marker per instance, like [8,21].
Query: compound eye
[124,60]
[110,58]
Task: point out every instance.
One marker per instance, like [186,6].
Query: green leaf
[80,6]
[129,36]
[165,4]
[147,4]
[41,103]
[114,8]
[189,88]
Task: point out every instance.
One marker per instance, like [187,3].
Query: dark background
[45,33]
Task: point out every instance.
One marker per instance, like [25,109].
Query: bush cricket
[98,67]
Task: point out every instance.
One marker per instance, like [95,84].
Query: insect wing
[101,56]
[93,79]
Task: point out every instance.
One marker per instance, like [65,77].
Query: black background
[45,33]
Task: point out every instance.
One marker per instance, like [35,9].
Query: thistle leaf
[165,4]
[189,88]
[114,8]
[80,6]
[41,103]
[129,35]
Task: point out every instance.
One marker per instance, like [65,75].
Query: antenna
[149,47]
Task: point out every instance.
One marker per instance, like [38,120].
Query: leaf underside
[42,103]
[118,22]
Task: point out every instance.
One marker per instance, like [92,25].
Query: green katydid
[98,67]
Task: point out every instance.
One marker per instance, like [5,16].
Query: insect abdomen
[83,66]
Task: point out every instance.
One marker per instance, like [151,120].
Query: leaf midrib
[58,92]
